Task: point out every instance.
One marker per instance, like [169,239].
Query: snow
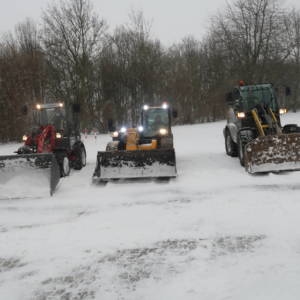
[214,232]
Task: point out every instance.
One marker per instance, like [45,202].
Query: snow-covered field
[215,232]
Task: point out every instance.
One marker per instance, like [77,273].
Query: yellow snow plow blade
[273,153]
[158,163]
[16,170]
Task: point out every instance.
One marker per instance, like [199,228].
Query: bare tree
[22,78]
[73,36]
[253,33]
[292,73]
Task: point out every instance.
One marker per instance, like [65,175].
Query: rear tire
[80,161]
[230,146]
[162,179]
[99,182]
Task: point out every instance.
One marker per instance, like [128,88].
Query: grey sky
[171,19]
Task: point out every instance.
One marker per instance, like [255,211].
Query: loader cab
[156,121]
[50,114]
[243,99]
[253,96]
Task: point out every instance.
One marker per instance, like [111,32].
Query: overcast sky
[171,19]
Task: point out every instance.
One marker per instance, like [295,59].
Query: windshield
[155,119]
[255,95]
[50,116]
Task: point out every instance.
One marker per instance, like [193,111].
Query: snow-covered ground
[215,232]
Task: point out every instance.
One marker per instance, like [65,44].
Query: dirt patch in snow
[127,268]
[122,272]
[228,245]
[7,264]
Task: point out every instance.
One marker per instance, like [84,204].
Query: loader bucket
[158,163]
[36,166]
[273,153]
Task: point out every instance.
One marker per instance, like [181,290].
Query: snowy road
[213,233]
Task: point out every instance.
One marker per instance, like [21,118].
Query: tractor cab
[50,114]
[258,95]
[156,121]
[249,102]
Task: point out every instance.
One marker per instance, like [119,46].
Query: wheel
[162,179]
[65,167]
[100,182]
[80,160]
[83,157]
[230,145]
[241,151]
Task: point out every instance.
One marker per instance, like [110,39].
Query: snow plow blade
[273,153]
[158,163]
[12,166]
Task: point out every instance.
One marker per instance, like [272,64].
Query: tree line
[72,57]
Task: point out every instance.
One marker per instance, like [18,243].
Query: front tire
[241,151]
[230,145]
[65,167]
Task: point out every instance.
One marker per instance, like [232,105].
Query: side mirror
[110,125]
[174,113]
[229,98]
[76,108]
[288,91]
[24,110]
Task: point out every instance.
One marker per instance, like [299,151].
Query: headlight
[163,131]
[61,104]
[146,107]
[140,128]
[241,115]
[123,129]
[58,135]
[38,106]
[282,111]
[165,105]
[115,134]
[24,138]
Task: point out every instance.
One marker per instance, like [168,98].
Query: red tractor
[54,142]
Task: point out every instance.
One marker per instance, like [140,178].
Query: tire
[99,182]
[162,179]
[230,145]
[83,156]
[65,167]
[80,161]
[241,151]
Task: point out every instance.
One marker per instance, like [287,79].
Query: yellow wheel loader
[254,133]
[143,152]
